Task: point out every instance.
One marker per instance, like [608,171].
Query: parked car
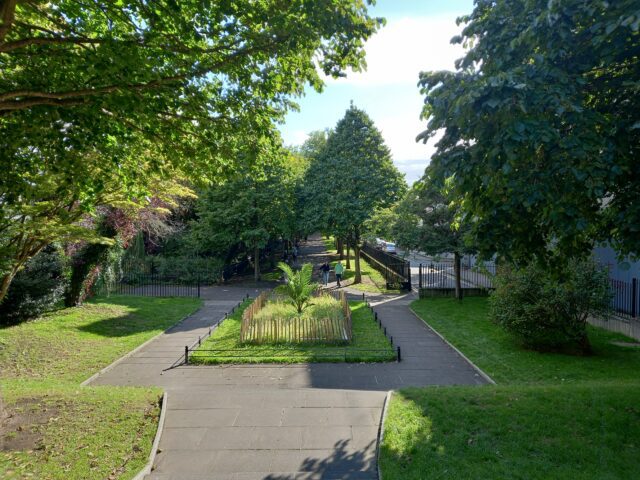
[390,248]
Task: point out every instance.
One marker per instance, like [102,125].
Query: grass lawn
[366,336]
[551,416]
[372,279]
[59,430]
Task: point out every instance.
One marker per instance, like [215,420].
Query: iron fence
[625,298]
[396,271]
[152,285]
[442,276]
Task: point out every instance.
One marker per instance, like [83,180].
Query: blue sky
[415,38]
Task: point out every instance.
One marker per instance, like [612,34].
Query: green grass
[552,416]
[372,279]
[366,336]
[513,432]
[467,326]
[82,432]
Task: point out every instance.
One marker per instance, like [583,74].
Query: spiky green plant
[299,288]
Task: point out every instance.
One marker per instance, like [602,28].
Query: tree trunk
[348,266]
[358,277]
[341,248]
[256,264]
[457,271]
[6,281]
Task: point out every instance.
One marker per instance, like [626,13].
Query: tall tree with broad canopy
[541,126]
[242,213]
[351,178]
[99,99]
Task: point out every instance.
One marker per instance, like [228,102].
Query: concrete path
[313,421]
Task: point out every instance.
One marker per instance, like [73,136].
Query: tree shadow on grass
[143,315]
[342,464]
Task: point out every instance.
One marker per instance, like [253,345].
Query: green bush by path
[467,326]
[87,432]
[366,336]
[552,416]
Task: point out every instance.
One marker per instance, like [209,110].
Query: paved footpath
[312,421]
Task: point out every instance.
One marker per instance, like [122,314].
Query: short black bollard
[399,354]
[209,330]
[363,296]
[391,339]
[199,340]
[376,315]
[186,355]
[385,331]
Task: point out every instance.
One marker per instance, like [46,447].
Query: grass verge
[369,344]
[551,416]
[372,279]
[59,430]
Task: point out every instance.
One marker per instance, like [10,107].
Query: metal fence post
[634,297]
[198,285]
[420,276]
[186,355]
[399,354]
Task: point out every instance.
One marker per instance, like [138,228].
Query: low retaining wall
[451,292]
[628,327]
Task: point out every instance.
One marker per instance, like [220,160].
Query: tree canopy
[541,131]
[351,178]
[100,101]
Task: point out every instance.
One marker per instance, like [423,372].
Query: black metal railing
[343,353]
[442,276]
[396,271]
[625,298]
[154,285]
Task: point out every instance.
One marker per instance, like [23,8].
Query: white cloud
[406,46]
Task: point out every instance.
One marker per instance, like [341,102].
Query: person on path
[339,269]
[325,269]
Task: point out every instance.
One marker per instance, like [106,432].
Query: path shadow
[342,464]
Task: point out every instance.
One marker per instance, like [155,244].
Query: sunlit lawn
[59,430]
[551,416]
[369,344]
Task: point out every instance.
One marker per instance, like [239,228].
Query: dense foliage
[37,288]
[545,312]
[540,126]
[102,101]
[350,178]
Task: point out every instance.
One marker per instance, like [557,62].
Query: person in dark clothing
[325,269]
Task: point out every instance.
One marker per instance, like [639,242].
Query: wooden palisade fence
[337,330]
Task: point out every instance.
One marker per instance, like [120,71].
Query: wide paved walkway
[281,422]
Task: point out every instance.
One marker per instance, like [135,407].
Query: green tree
[435,223]
[540,123]
[100,99]
[351,178]
[243,212]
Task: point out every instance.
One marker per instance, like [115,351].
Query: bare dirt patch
[22,426]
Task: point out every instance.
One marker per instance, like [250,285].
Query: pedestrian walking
[325,269]
[339,269]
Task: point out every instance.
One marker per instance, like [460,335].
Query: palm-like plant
[299,288]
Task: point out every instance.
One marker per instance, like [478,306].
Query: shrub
[37,288]
[550,313]
[299,288]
